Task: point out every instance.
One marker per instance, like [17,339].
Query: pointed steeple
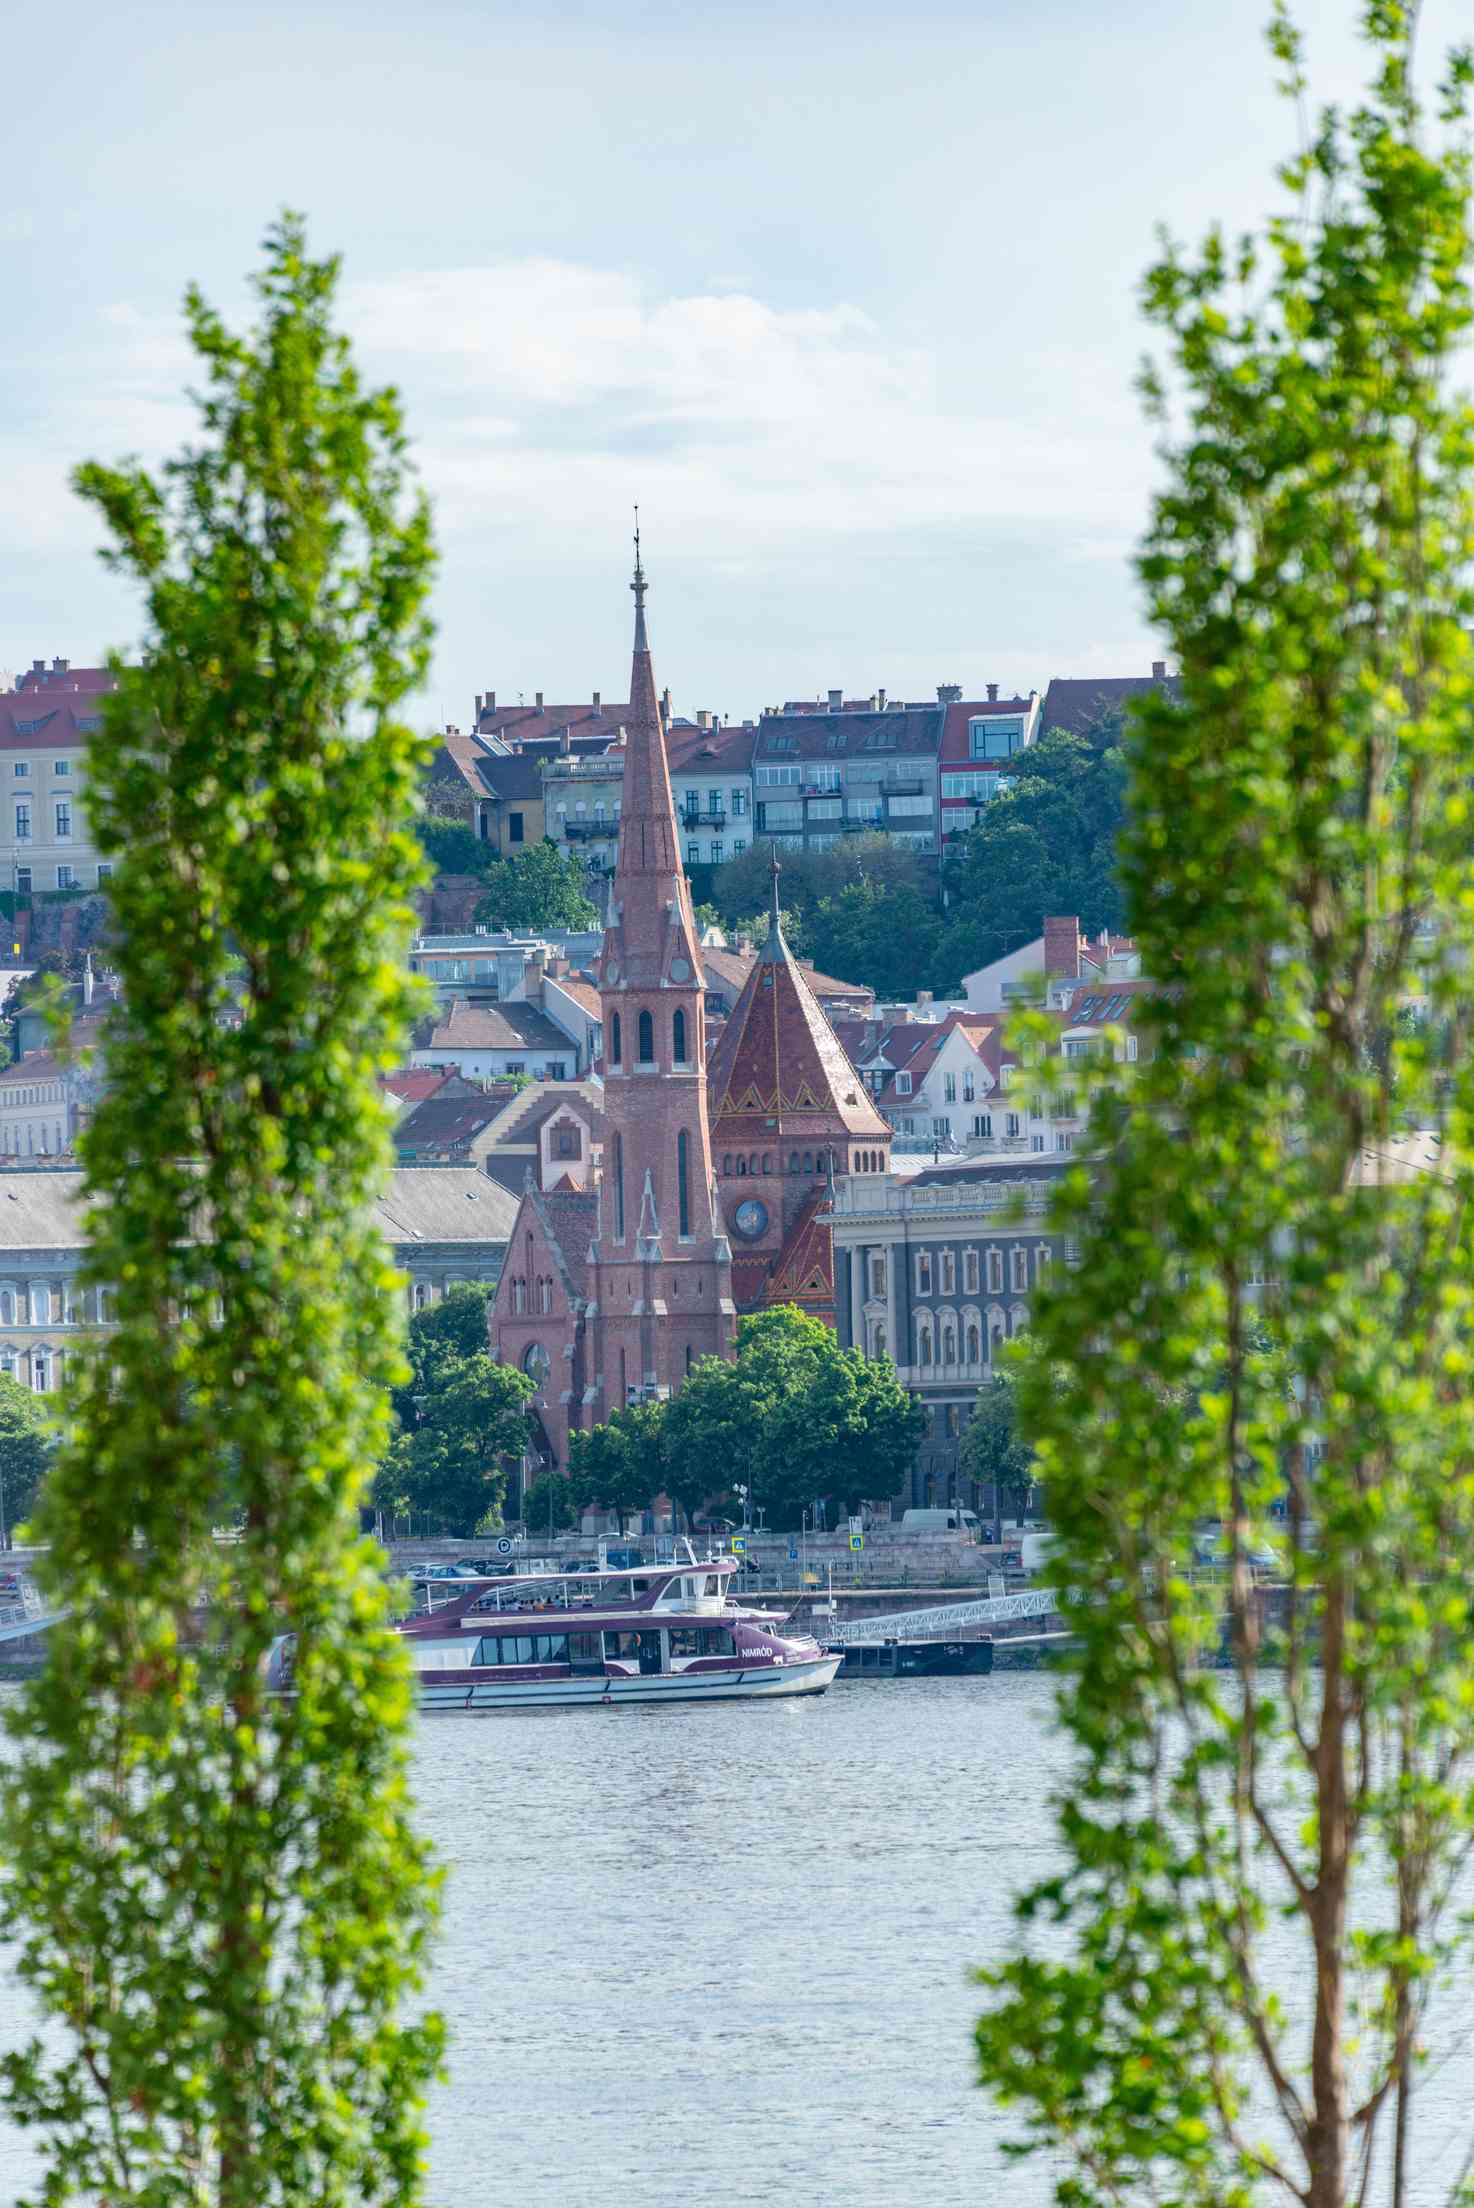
[775,948]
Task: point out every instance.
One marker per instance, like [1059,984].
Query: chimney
[1159,670]
[923,996]
[665,704]
[539,701]
[836,700]
[744,945]
[880,695]
[1062,945]
[992,693]
[491,701]
[565,741]
[949,693]
[60,666]
[38,666]
[478,705]
[598,708]
[703,720]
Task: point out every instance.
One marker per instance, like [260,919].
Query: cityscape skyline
[863,355]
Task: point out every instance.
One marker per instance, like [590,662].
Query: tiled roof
[1077,704]
[59,719]
[496,1027]
[803,1271]
[62,676]
[445,1122]
[571,1219]
[584,993]
[777,1061]
[709,750]
[728,970]
[1108,1003]
[899,729]
[982,1029]
[516,723]
[412,1084]
[36,1065]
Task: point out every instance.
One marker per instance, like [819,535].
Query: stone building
[935,1272]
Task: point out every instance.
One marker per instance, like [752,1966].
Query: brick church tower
[789,1116]
[660,1264]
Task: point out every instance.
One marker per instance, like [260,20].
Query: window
[739,804]
[954,1420]
[65,878]
[1037,1143]
[1018,1266]
[566,1143]
[995,1270]
[105,872]
[1013,1125]
[823,778]
[949,1273]
[63,818]
[778,778]
[683,1190]
[516,832]
[422,1295]
[647,1040]
[982,1125]
[923,1272]
[969,1088]
[614,1058]
[1079,1046]
[739,843]
[23,881]
[914,807]
[995,736]
[949,1088]
[1131,1049]
[23,823]
[718,853]
[22,768]
[903,1084]
[923,1342]
[970,1271]
[41,1367]
[941,1126]
[61,768]
[1063,1139]
[619,1188]
[877,1273]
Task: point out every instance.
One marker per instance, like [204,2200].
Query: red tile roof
[956,744]
[777,1066]
[58,719]
[414,1083]
[497,1027]
[1078,703]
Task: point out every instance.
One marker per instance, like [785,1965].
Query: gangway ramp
[948,1619]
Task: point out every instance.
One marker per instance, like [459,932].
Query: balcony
[911,785]
[589,831]
[714,817]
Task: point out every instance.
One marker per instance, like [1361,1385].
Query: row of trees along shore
[1231,1982]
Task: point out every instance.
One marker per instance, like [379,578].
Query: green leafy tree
[450,846]
[1047,843]
[1259,1881]
[458,1416]
[541,887]
[885,937]
[621,1465]
[218,1900]
[794,1419]
[743,890]
[27,1445]
[995,1453]
[550,1503]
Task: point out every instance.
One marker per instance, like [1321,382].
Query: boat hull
[765,1681]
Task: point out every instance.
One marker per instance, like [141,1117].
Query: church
[713,1189]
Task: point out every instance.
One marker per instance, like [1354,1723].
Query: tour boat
[659,1633]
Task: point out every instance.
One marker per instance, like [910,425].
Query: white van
[941,1521]
[1034,1551]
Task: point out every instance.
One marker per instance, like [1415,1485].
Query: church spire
[638,587]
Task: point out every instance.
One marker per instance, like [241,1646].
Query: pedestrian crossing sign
[739,1544]
[857,1540]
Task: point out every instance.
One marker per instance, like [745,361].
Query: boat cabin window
[701,1640]
[524,1648]
[713,1583]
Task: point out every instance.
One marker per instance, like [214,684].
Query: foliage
[550,1502]
[540,887]
[457,1416]
[873,865]
[887,937]
[621,1465]
[1046,843]
[1259,1877]
[450,846]
[27,1445]
[218,1898]
[794,1419]
[994,1452]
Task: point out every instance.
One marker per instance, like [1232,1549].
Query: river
[705,1955]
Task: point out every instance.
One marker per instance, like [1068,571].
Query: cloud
[537,388]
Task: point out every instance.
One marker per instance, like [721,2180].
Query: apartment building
[827,769]
[45,722]
[984,741]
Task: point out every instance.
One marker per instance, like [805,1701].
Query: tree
[549,1503]
[1259,1875]
[219,1899]
[1046,843]
[994,1452]
[27,1444]
[541,887]
[457,1417]
[450,845]
[794,1419]
[884,937]
[875,864]
[621,1465]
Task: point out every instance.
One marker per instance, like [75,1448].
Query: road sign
[857,1541]
[793,1552]
[857,1525]
[504,1546]
[739,1544]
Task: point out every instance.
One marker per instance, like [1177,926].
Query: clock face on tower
[750,1217]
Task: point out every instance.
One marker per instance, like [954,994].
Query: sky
[844,297]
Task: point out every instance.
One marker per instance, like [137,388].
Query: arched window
[727,1163]
[647,1040]
[614,1043]
[41,1371]
[688,1345]
[923,1342]
[545,1294]
[767,1161]
[619,1188]
[7,1308]
[974,1346]
[808,1161]
[949,1346]
[678,1038]
[793,1161]
[683,1190]
[742,1169]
